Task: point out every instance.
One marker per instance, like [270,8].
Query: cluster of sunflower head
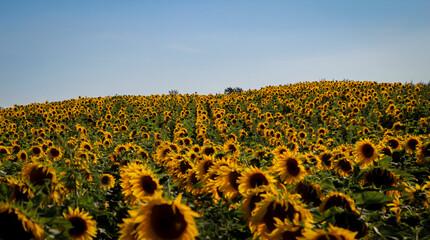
[282,156]
[275,199]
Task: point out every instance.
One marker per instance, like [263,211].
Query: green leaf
[198,185]
[327,183]
[371,198]
[385,161]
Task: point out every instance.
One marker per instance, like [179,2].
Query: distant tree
[231,90]
[173,92]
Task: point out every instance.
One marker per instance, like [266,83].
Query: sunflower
[310,192]
[83,225]
[332,233]
[279,150]
[190,184]
[128,227]
[379,177]
[343,166]
[37,174]
[145,136]
[339,200]
[301,135]
[54,153]
[250,200]
[311,163]
[260,153]
[204,165]
[187,141]
[125,173]
[230,147]
[16,225]
[351,221]
[384,149]
[394,143]
[4,150]
[22,155]
[252,178]
[227,180]
[161,219]
[208,150]
[143,183]
[107,181]
[289,167]
[121,148]
[423,153]
[398,127]
[411,143]
[36,151]
[163,154]
[322,132]
[85,146]
[143,154]
[326,159]
[281,206]
[366,152]
[396,207]
[196,149]
[21,191]
[287,229]
[210,185]
[179,166]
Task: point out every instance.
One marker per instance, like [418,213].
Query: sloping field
[313,160]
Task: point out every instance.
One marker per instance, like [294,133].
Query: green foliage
[231,90]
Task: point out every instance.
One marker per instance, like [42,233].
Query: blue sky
[58,50]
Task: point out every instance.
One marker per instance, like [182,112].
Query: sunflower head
[385,149]
[331,233]
[252,178]
[423,153]
[411,143]
[289,167]
[4,150]
[231,147]
[162,219]
[288,229]
[144,183]
[82,224]
[227,181]
[277,206]
[22,155]
[204,165]
[36,151]
[366,152]
[343,166]
[16,225]
[21,191]
[351,222]
[54,153]
[107,181]
[379,177]
[128,226]
[310,192]
[250,201]
[327,158]
[37,174]
[337,199]
[191,182]
[208,150]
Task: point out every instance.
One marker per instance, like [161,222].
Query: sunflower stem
[76,197]
[168,186]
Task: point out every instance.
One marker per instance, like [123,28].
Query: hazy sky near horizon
[58,50]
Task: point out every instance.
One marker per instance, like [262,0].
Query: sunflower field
[312,160]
